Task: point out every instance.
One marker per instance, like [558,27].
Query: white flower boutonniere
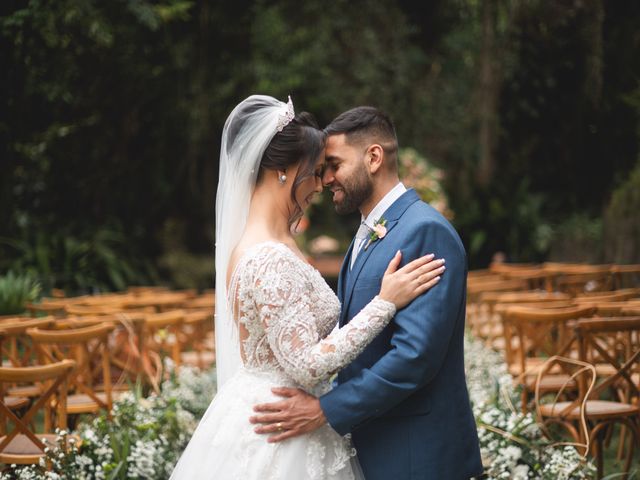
[379,231]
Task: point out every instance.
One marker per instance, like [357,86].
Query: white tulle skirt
[224,446]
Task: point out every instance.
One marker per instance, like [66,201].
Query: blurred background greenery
[111,113]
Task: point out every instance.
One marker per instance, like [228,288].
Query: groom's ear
[374,157]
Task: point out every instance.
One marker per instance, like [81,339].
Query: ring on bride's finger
[279,426]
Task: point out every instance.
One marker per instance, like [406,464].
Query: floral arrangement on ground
[145,436]
[512,444]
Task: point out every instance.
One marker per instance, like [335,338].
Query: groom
[404,399]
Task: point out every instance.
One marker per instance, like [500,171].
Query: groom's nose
[327,177]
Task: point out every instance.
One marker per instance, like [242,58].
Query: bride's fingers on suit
[427,285]
[429,270]
[394,263]
[417,263]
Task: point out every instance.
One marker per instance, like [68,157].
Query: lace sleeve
[282,297]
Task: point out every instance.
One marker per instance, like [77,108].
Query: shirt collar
[382,206]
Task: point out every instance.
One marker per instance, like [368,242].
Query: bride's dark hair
[301,141]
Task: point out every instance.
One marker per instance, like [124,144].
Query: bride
[275,315]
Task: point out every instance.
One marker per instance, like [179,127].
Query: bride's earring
[282,178]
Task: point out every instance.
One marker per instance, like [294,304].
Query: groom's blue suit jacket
[404,399]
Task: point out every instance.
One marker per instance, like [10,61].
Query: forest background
[111,115]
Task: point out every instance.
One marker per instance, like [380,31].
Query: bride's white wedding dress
[289,314]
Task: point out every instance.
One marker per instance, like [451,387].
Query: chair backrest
[543,332]
[16,348]
[611,308]
[612,296]
[625,275]
[614,341]
[89,347]
[55,377]
[160,301]
[578,372]
[163,331]
[535,296]
[576,278]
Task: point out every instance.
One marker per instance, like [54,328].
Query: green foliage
[100,260]
[622,221]
[578,239]
[16,290]
[417,173]
[115,109]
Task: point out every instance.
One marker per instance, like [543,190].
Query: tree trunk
[489,91]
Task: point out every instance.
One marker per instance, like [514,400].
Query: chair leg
[622,440]
[596,440]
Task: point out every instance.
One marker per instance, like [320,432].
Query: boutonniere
[379,231]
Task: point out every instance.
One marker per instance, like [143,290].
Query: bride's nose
[319,185]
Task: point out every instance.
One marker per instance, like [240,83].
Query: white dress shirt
[394,194]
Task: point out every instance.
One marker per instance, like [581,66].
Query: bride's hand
[400,287]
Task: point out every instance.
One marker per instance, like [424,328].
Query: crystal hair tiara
[285,117]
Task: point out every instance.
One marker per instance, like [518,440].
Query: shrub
[16,291]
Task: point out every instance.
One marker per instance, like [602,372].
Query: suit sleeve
[420,340]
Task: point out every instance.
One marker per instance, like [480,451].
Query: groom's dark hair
[367,125]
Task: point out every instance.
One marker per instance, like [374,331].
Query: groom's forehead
[337,146]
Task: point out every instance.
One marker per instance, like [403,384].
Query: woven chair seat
[82,403]
[595,409]
[532,367]
[115,387]
[14,403]
[25,391]
[552,383]
[22,446]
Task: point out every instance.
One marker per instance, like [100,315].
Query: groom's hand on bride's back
[297,414]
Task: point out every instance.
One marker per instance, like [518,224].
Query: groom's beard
[355,191]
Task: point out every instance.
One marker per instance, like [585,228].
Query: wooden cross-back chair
[532,273]
[22,445]
[50,306]
[541,333]
[612,296]
[550,410]
[11,402]
[615,397]
[496,302]
[625,275]
[127,346]
[507,340]
[477,312]
[197,346]
[89,347]
[162,335]
[160,301]
[17,350]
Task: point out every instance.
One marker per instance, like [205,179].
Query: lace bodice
[290,314]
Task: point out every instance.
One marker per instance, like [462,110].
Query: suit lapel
[343,278]
[361,259]
[392,214]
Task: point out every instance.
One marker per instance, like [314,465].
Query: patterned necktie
[361,236]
